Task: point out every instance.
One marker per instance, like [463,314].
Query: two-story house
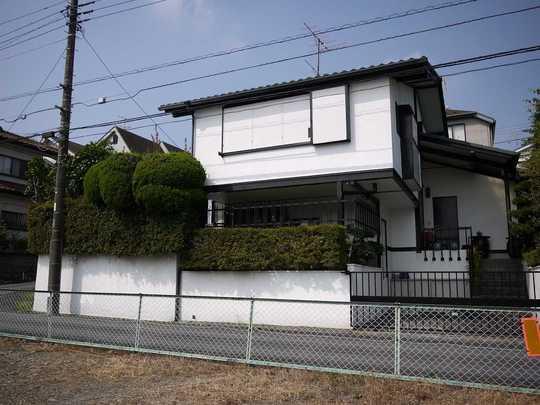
[15,152]
[369,148]
[124,141]
[470,126]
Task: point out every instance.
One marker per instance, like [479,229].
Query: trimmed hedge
[98,231]
[109,182]
[169,184]
[320,247]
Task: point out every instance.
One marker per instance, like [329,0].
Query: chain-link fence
[475,347]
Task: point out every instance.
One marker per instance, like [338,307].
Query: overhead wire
[94,51]
[230,51]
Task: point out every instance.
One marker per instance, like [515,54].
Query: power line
[32,12]
[32,37]
[39,88]
[30,31]
[124,10]
[521,62]
[487,56]
[124,89]
[282,40]
[15,55]
[30,23]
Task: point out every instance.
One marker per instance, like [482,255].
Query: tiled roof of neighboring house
[137,143]
[402,69]
[452,113]
[171,148]
[75,147]
[26,142]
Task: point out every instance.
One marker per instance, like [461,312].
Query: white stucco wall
[298,285]
[109,274]
[480,199]
[370,146]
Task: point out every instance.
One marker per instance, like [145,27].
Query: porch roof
[481,159]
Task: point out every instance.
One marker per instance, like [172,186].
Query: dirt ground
[34,372]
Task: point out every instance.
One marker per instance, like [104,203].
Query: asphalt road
[459,357]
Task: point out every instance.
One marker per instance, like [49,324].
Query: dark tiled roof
[75,147]
[137,143]
[44,149]
[452,112]
[171,148]
[383,68]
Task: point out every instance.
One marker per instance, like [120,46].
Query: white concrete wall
[480,199]
[370,146]
[109,274]
[298,285]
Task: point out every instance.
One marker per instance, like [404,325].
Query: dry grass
[34,372]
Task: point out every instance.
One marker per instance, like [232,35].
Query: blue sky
[177,29]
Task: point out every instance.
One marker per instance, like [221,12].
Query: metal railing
[440,244]
[467,346]
[494,288]
[265,214]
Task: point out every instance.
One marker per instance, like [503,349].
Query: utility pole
[57,233]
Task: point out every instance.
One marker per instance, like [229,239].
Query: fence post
[250,330]
[397,339]
[138,327]
[49,306]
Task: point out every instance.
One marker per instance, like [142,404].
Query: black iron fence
[494,288]
[264,214]
[447,244]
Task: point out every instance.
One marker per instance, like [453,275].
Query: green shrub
[91,185]
[317,247]
[102,231]
[112,178]
[170,183]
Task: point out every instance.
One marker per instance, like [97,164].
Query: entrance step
[501,265]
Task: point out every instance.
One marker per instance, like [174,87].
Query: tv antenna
[321,47]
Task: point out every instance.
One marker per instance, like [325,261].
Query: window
[267,124]
[457,132]
[12,166]
[14,220]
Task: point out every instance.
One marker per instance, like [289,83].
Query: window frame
[23,167]
[451,130]
[18,215]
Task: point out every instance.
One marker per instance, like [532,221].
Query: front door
[445,222]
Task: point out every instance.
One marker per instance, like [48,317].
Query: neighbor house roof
[44,149]
[452,114]
[417,72]
[74,147]
[139,144]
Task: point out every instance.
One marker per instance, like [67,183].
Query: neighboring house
[15,153]
[524,153]
[367,148]
[122,140]
[470,126]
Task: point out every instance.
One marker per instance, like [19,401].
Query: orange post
[531,335]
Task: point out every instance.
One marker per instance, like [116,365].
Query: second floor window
[457,132]
[12,166]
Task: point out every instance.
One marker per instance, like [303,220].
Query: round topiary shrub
[169,183]
[91,185]
[109,182]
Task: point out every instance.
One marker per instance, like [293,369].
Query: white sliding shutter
[329,115]
[270,123]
